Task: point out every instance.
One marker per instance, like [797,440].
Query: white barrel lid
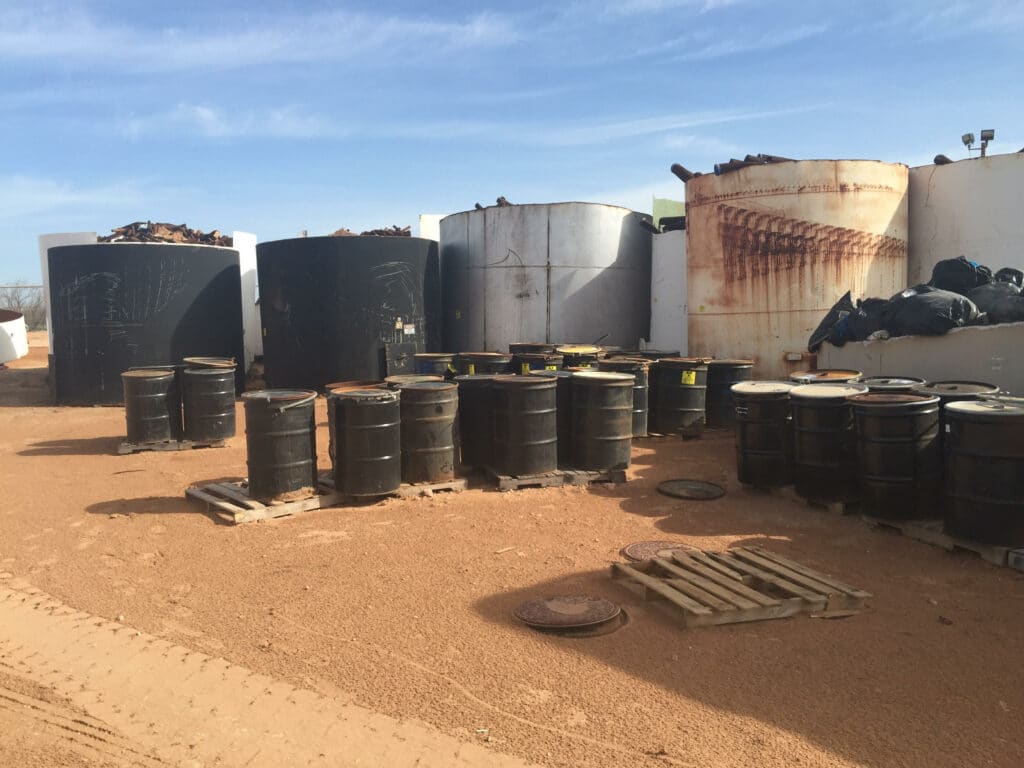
[609,376]
[827,391]
[994,408]
[763,387]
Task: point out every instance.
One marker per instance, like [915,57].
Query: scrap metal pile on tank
[960,293]
[395,231]
[162,232]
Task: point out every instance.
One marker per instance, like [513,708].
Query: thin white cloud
[26,196]
[734,46]
[631,7]
[206,121]
[67,36]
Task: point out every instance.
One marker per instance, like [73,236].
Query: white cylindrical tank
[13,336]
[668,292]
[969,208]
[770,248]
[560,272]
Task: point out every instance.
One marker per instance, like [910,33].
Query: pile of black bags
[960,293]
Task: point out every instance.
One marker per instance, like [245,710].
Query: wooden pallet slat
[727,590]
[825,579]
[235,494]
[126,447]
[931,532]
[726,594]
[732,584]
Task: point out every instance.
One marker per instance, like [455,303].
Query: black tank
[280,442]
[428,411]
[825,442]
[764,433]
[678,387]
[898,455]
[476,414]
[525,425]
[366,424]
[208,396]
[152,406]
[602,420]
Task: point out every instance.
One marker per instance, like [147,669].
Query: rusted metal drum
[366,424]
[524,362]
[646,354]
[280,444]
[563,416]
[530,347]
[954,392]
[525,425]
[338,387]
[208,399]
[764,433]
[434,364]
[825,376]
[579,355]
[824,441]
[602,420]
[476,414]
[152,405]
[898,455]
[722,374]
[637,368]
[475,363]
[984,487]
[428,431]
[891,384]
[678,388]
[400,380]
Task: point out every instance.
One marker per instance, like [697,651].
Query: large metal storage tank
[346,308]
[114,306]
[770,248]
[559,272]
[668,292]
[969,208]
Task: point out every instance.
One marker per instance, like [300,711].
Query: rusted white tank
[559,273]
[770,248]
[969,208]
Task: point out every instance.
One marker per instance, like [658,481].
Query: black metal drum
[764,433]
[602,420]
[638,368]
[208,397]
[280,441]
[525,425]
[366,425]
[428,411]
[722,374]
[678,389]
[825,442]
[152,405]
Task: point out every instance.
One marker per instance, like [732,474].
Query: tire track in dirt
[135,699]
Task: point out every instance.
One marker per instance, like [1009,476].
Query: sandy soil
[406,605]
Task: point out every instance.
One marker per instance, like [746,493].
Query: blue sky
[273,119]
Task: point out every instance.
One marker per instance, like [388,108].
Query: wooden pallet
[737,585]
[930,532]
[231,500]
[174,445]
[407,490]
[555,479]
[789,493]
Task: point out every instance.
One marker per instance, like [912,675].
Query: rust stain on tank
[755,245]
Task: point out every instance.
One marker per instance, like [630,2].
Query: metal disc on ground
[645,550]
[566,612]
[695,490]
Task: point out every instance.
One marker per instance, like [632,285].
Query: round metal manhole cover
[645,550]
[696,490]
[566,612]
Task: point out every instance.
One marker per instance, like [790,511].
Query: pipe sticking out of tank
[682,173]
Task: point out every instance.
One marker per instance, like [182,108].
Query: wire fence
[27,299]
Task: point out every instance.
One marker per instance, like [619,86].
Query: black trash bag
[833,327]
[866,319]
[959,275]
[924,310]
[1010,275]
[1002,302]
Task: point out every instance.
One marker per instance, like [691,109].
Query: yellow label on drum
[550,367]
[689,377]
[525,369]
[471,368]
[451,368]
